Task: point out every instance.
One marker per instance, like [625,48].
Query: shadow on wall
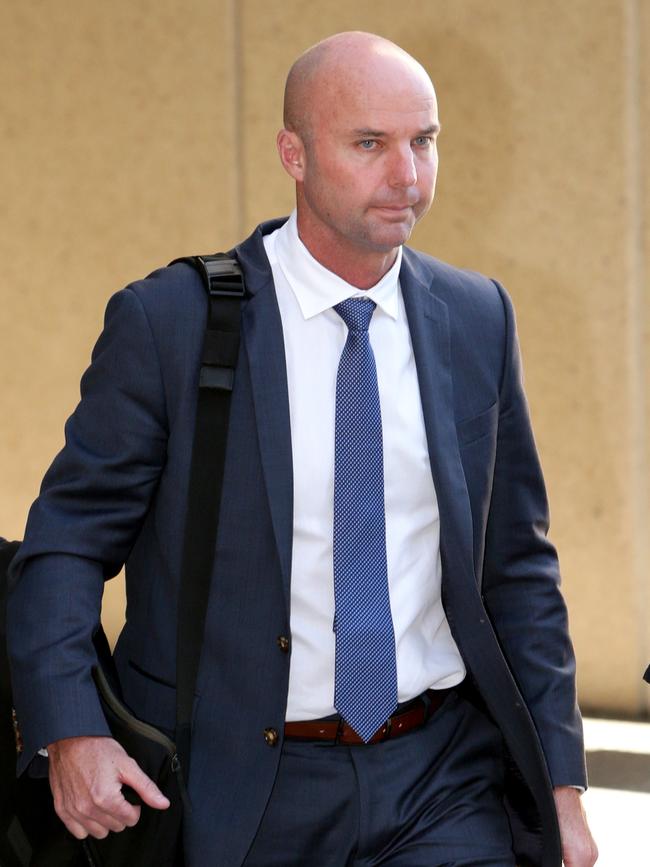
[610,769]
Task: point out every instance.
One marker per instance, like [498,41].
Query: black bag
[31,835]
[155,841]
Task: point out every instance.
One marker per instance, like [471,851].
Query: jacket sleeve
[521,580]
[81,528]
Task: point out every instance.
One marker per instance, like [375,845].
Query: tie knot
[356,313]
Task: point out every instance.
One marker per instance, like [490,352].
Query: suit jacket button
[271,737]
[283,643]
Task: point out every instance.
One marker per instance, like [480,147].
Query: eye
[423,141]
[367,144]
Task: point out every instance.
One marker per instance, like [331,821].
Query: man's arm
[79,533]
[521,592]
[521,581]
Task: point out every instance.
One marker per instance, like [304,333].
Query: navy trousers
[432,798]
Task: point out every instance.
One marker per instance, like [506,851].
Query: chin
[388,240]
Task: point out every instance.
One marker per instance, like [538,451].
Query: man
[381,552]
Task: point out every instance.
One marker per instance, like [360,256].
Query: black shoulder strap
[224,283]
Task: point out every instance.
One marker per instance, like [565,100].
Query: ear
[292,153]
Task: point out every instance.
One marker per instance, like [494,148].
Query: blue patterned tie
[365,691]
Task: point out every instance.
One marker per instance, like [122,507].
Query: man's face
[370,161]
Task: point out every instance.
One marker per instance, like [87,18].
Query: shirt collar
[316,288]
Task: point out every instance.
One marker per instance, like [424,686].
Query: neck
[359,266]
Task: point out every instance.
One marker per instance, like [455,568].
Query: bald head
[340,62]
[359,140]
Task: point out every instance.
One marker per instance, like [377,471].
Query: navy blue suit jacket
[116,494]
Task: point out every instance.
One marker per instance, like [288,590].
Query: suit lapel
[264,344]
[428,319]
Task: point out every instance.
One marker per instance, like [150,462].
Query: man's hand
[578,846]
[86,777]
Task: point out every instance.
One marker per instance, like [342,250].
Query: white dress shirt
[314,335]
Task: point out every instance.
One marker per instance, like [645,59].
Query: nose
[403,171]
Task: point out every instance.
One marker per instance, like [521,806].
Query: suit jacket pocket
[476,427]
[151,698]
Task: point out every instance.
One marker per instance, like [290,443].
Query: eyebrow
[433,129]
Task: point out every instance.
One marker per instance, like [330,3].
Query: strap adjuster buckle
[224,276]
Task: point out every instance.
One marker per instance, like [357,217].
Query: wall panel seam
[636,319]
[237,167]
[232,124]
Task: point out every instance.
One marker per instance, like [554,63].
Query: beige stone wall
[136,131]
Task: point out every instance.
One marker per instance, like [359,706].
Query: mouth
[396,209]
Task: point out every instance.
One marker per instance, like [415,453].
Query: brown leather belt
[410,717]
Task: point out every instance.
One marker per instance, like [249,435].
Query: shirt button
[271,737]
[283,643]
